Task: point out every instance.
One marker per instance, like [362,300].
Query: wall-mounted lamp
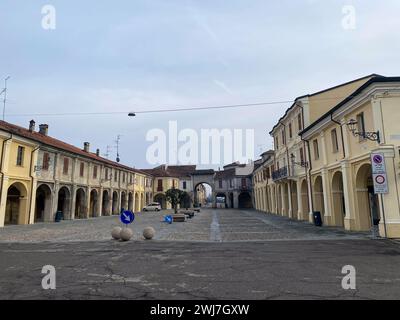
[303,164]
[373,136]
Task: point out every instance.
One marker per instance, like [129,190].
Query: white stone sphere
[126,234]
[115,233]
[148,233]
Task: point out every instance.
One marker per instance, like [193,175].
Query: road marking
[215,232]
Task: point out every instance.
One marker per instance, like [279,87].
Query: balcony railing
[280,174]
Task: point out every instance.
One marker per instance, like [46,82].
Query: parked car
[154,206]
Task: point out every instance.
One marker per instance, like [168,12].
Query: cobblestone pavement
[219,254]
[209,225]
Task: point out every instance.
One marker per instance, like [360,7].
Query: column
[289,192]
[299,200]
[327,195]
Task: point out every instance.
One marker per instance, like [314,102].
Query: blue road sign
[168,219]
[127,217]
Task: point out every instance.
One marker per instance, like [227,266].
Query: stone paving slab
[208,225]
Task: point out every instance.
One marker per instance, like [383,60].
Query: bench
[179,217]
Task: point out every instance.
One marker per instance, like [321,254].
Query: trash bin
[317,218]
[59,216]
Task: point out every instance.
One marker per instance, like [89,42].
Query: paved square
[219,254]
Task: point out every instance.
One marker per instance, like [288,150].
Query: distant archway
[161,199]
[245,201]
[124,203]
[221,200]
[130,201]
[203,195]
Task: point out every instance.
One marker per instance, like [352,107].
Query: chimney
[44,129]
[31,125]
[98,152]
[86,146]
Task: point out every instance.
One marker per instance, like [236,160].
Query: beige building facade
[323,163]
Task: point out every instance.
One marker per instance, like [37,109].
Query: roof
[373,76]
[203,172]
[350,97]
[171,171]
[228,173]
[58,144]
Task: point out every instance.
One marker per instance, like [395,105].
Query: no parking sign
[379,173]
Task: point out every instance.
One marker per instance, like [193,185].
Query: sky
[120,56]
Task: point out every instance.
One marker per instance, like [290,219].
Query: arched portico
[64,202]
[319,196]
[17,204]
[43,204]
[80,204]
[338,199]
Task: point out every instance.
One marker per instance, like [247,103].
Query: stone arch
[17,204]
[319,196]
[338,205]
[137,202]
[244,200]
[64,202]
[124,201]
[197,193]
[161,199]
[114,206]
[106,203]
[80,204]
[367,201]
[93,204]
[221,200]
[130,201]
[43,204]
[304,200]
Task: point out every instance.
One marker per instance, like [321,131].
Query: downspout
[341,134]
[2,162]
[32,177]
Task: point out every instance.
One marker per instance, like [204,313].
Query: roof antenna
[107,153]
[5,96]
[117,146]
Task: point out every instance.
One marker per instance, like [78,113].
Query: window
[46,161]
[283,137]
[299,122]
[184,185]
[66,166]
[316,149]
[95,172]
[82,169]
[244,183]
[106,173]
[301,156]
[159,186]
[276,143]
[290,130]
[123,177]
[116,176]
[231,183]
[131,179]
[20,156]
[361,124]
[335,145]
[220,183]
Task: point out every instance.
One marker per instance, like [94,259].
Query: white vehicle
[154,206]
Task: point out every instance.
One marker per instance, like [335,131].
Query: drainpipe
[341,134]
[1,159]
[308,172]
[32,177]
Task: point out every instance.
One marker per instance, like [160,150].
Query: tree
[174,197]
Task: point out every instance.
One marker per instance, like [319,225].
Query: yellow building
[42,175]
[326,167]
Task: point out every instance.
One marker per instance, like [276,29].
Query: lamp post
[372,136]
[303,164]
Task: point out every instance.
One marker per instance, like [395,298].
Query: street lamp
[372,136]
[303,164]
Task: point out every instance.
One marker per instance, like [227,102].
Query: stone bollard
[116,233]
[148,233]
[126,234]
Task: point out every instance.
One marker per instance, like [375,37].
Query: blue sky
[142,55]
